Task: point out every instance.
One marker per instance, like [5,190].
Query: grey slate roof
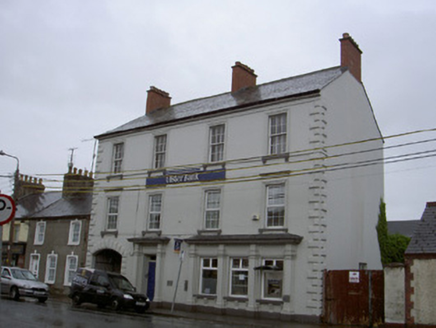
[31,204]
[424,239]
[289,87]
[405,228]
[52,204]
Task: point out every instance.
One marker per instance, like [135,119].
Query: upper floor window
[155,210]
[118,155]
[17,232]
[112,213]
[39,233]
[209,276]
[239,277]
[212,209]
[160,148]
[275,205]
[70,268]
[74,235]
[50,269]
[216,143]
[277,134]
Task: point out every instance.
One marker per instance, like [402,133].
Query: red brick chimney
[157,99]
[351,56]
[242,77]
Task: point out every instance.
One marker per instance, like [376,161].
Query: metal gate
[354,297]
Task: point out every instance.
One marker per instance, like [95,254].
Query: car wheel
[15,295]
[76,300]
[42,299]
[115,304]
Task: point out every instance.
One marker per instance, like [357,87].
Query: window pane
[155,205]
[118,157]
[273,284]
[217,143]
[239,283]
[160,143]
[112,217]
[275,205]
[212,210]
[209,281]
[278,134]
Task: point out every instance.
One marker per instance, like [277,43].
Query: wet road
[29,313]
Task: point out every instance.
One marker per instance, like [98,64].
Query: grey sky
[73,69]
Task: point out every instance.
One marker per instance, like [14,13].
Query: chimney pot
[242,77]
[351,56]
[156,99]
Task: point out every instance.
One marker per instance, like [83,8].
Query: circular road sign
[7,209]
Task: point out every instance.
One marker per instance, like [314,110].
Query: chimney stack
[28,185]
[157,99]
[242,77]
[351,56]
[77,183]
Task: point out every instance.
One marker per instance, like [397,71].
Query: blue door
[151,279]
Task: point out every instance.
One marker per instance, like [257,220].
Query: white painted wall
[353,194]
[351,201]
[423,272]
[395,308]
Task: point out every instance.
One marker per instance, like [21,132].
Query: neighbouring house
[57,226]
[15,233]
[420,271]
[241,201]
[403,227]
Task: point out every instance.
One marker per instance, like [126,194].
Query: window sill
[151,233]
[114,177]
[273,230]
[209,232]
[109,233]
[205,296]
[270,301]
[267,158]
[240,299]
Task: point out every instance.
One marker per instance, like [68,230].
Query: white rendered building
[261,189]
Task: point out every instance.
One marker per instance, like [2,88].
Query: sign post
[7,213]
[177,249]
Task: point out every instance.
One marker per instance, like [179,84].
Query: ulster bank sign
[186,176]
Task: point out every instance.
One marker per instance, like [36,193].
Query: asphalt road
[28,313]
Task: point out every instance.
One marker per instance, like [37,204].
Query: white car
[17,282]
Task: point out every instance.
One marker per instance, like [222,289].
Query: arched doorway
[108,260]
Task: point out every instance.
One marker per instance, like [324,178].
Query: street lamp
[15,197]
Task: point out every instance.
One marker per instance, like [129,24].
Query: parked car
[17,282]
[106,289]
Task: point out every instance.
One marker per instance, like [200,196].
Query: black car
[106,289]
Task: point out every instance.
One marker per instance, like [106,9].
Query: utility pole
[15,197]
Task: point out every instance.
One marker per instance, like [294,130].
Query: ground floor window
[34,264]
[239,277]
[70,268]
[50,269]
[272,278]
[209,276]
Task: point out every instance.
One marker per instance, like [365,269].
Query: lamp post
[15,196]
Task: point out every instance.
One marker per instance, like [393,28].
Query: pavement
[234,321]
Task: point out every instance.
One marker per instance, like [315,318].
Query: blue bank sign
[186,176]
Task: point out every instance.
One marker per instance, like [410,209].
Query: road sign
[7,209]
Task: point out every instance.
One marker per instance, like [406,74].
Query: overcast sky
[72,69]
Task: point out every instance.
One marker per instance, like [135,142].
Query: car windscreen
[121,283]
[22,274]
